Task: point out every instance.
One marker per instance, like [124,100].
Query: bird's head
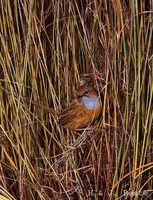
[86,91]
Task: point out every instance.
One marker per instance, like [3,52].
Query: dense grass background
[48,48]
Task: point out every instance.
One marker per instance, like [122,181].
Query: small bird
[85,109]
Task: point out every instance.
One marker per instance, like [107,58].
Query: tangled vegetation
[48,48]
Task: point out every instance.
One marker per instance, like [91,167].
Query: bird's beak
[79,96]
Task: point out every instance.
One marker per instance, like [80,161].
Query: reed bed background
[47,49]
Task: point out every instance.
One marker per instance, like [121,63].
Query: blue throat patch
[89,102]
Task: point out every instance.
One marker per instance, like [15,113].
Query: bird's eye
[86,92]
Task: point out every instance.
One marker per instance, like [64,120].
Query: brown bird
[83,110]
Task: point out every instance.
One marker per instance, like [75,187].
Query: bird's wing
[73,116]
